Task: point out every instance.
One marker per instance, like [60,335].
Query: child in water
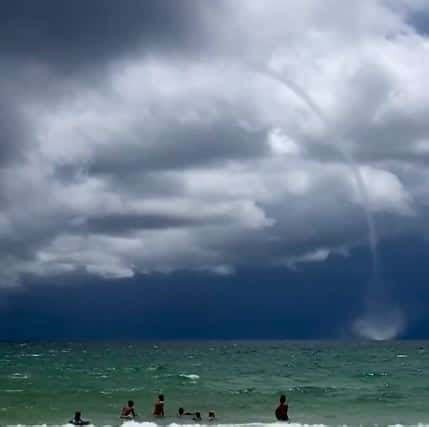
[181,412]
[78,421]
[197,416]
[282,409]
[158,410]
[128,412]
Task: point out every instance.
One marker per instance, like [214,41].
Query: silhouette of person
[282,409]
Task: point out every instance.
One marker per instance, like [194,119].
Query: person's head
[212,414]
[77,415]
[181,411]
[197,415]
[161,397]
[283,398]
[130,403]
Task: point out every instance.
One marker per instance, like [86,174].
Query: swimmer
[197,417]
[181,413]
[282,409]
[212,416]
[128,412]
[78,421]
[158,410]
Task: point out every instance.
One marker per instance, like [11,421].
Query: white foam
[276,424]
[19,376]
[190,376]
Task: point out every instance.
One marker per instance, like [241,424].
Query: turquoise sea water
[334,383]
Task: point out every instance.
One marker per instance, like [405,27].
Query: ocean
[326,383]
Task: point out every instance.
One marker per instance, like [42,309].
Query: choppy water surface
[326,383]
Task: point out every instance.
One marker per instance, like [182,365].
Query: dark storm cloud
[177,142]
[257,303]
[179,146]
[296,232]
[112,224]
[184,153]
[12,134]
[317,302]
[83,33]
[419,19]
[15,131]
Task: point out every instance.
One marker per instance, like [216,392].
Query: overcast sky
[145,144]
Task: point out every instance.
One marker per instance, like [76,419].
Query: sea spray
[382,319]
[387,324]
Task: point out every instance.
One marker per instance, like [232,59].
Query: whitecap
[19,376]
[192,377]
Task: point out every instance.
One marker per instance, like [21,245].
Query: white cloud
[281,144]
[317,255]
[385,192]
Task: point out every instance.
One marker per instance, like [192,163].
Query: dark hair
[77,415]
[198,414]
[130,403]
[161,397]
[181,411]
[211,414]
[282,398]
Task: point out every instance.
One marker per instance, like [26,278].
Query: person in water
[158,410]
[197,416]
[281,411]
[128,412]
[181,412]
[212,416]
[78,421]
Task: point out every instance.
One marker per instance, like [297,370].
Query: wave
[192,377]
[156,368]
[19,376]
[274,424]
